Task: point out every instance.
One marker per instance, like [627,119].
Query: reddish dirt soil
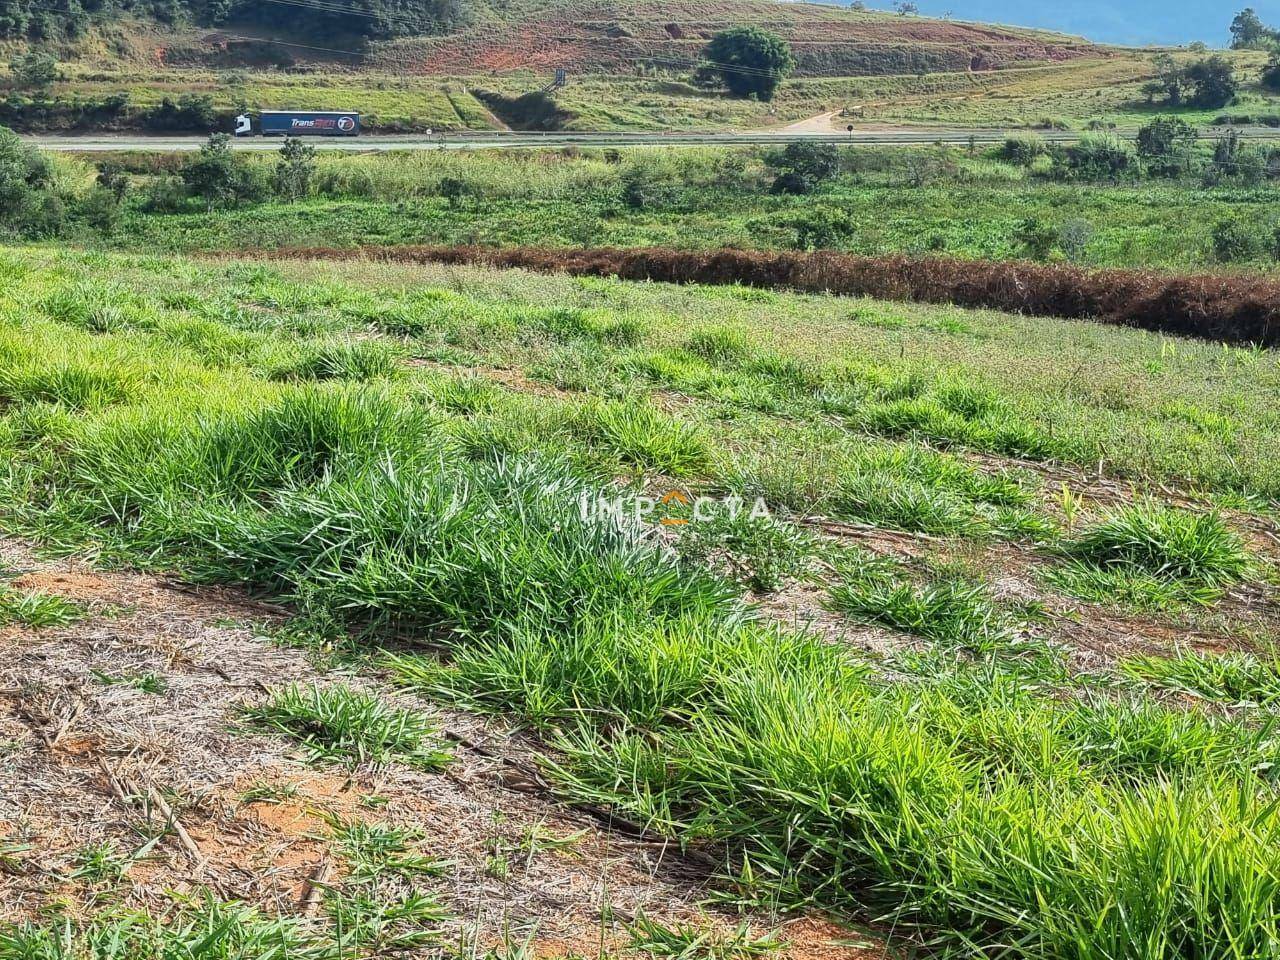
[607,37]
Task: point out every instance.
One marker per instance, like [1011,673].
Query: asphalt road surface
[480,140]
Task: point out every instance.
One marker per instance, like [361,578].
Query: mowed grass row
[993,814]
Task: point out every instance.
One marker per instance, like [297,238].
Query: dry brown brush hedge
[1232,309]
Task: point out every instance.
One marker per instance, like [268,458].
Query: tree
[1213,82]
[1165,144]
[1248,30]
[1271,72]
[295,168]
[751,62]
[1169,82]
[1207,83]
[1074,237]
[1100,156]
[802,165]
[218,176]
[34,71]
[1166,137]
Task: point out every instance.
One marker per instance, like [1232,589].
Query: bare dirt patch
[90,758]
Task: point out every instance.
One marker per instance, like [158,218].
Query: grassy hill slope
[629,36]
[629,66]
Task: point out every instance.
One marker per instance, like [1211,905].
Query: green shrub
[1034,238]
[645,190]
[803,165]
[295,168]
[1234,241]
[191,112]
[1166,145]
[164,195]
[1100,156]
[29,205]
[220,177]
[1023,149]
[1238,161]
[821,227]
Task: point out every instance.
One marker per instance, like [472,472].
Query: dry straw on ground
[1229,308]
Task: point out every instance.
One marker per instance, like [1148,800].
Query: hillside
[628,64]
[608,36]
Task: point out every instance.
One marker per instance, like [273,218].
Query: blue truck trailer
[300,123]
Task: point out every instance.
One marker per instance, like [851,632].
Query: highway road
[481,140]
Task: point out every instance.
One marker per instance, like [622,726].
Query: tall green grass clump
[340,360]
[645,437]
[201,930]
[1230,678]
[993,815]
[948,611]
[1152,556]
[1165,542]
[337,723]
[33,609]
[899,486]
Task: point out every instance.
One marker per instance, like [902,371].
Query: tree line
[1248,32]
[355,19]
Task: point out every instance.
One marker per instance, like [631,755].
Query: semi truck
[300,123]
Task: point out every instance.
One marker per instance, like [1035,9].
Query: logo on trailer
[346,124]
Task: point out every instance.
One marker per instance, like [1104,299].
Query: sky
[1111,21]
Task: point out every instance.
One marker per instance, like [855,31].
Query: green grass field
[403,451]
[888,200]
